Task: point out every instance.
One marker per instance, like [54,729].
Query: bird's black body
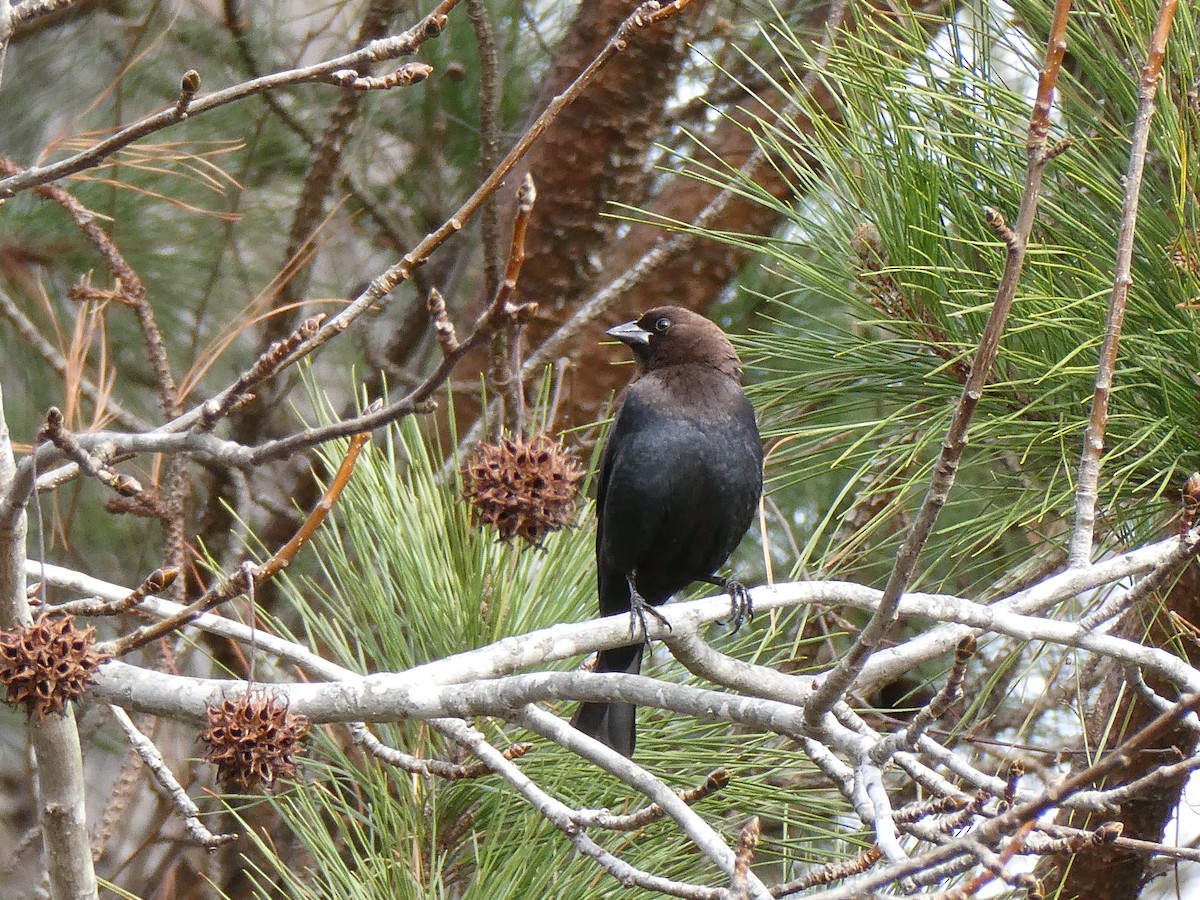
[680,480]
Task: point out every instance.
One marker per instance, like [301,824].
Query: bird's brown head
[673,336]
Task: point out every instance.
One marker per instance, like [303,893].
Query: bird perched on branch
[680,479]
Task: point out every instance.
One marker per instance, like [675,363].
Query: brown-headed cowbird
[680,479]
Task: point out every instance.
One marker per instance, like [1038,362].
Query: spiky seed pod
[252,740]
[48,663]
[525,488]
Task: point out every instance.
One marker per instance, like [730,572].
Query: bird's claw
[638,607]
[741,604]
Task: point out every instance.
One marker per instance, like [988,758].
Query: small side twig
[937,707]
[362,736]
[408,74]
[602,818]
[505,364]
[830,872]
[167,781]
[1125,599]
[57,434]
[267,363]
[526,197]
[156,582]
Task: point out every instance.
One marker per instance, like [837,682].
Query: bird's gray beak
[630,333]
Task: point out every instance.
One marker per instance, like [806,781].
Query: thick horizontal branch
[441,689]
[565,641]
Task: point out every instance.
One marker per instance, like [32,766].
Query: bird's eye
[662,324]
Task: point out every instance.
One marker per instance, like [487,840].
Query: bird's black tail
[614,724]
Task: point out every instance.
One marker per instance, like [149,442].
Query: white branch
[168,782]
[55,739]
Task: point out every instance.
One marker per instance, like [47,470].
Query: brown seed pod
[48,663]
[1191,502]
[524,488]
[252,739]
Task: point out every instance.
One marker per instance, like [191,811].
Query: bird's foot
[741,604]
[638,608]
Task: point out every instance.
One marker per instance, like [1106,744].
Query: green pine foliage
[404,578]
[890,269]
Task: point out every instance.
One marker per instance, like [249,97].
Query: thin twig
[743,855]
[156,581]
[239,393]
[383,49]
[126,788]
[408,74]
[937,707]
[57,434]
[829,872]
[1123,599]
[1103,835]
[505,365]
[362,736]
[246,579]
[1087,482]
[837,682]
[168,782]
[602,818]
